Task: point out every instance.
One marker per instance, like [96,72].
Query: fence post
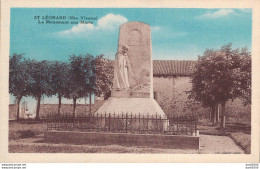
[177,124]
[126,123]
[147,122]
[105,125]
[156,123]
[114,120]
[195,126]
[139,123]
[191,121]
[109,122]
[131,122]
[55,123]
[100,122]
[48,120]
[122,118]
[143,123]
[96,123]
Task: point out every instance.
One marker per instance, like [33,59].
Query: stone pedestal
[135,106]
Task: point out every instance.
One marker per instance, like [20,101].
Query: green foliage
[18,76]
[104,71]
[39,83]
[59,76]
[221,75]
[238,113]
[18,79]
[26,134]
[83,75]
[80,79]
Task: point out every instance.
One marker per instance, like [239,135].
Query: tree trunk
[90,102]
[59,106]
[74,107]
[216,110]
[210,113]
[38,108]
[18,108]
[223,117]
[213,115]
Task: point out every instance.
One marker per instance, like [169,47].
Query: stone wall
[171,95]
[12,111]
[81,109]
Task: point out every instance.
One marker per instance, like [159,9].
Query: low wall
[99,138]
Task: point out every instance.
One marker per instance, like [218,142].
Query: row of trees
[82,76]
[218,76]
[221,75]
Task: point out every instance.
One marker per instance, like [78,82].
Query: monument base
[136,106]
[101,138]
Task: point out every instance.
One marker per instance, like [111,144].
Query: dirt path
[209,144]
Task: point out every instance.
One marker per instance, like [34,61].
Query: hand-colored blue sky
[180,34]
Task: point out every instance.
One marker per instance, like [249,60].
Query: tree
[18,79]
[40,81]
[104,72]
[221,75]
[91,75]
[59,77]
[79,84]
[243,76]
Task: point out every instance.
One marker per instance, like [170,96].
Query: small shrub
[14,136]
[26,133]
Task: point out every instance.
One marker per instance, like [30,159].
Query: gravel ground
[209,144]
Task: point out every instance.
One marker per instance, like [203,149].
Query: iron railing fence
[124,123]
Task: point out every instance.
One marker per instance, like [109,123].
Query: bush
[15,135]
[26,133]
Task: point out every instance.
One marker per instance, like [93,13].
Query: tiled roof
[172,67]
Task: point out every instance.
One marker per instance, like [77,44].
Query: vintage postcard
[147,81]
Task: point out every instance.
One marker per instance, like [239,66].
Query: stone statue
[132,91]
[123,71]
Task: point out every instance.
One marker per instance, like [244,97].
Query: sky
[177,33]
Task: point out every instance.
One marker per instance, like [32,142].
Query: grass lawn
[25,129]
[243,140]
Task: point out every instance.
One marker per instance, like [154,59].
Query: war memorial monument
[131,116]
[133,74]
